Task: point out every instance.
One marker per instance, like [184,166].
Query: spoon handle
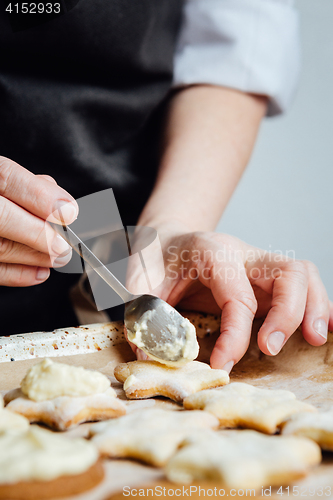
[90,258]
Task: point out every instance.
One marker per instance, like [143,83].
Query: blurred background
[284,201]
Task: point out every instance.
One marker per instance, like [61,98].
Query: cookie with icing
[315,426]
[41,464]
[62,396]
[243,405]
[243,459]
[150,435]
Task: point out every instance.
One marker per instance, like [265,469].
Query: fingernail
[275,342]
[228,366]
[59,245]
[320,327]
[63,260]
[42,274]
[65,211]
[141,356]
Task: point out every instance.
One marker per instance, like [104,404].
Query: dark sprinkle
[12,359]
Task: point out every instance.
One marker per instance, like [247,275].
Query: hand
[212,272]
[28,245]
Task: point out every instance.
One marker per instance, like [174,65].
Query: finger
[16,253]
[35,193]
[145,271]
[20,276]
[18,225]
[47,177]
[141,356]
[264,300]
[132,346]
[136,280]
[199,299]
[330,323]
[317,310]
[236,299]
[289,296]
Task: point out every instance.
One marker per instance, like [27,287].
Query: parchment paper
[301,368]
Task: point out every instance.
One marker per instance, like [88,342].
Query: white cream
[191,347]
[48,380]
[42,455]
[10,421]
[139,328]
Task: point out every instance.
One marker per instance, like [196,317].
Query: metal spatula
[164,324]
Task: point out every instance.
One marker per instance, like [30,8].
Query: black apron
[80,99]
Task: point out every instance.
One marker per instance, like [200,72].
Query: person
[161,101]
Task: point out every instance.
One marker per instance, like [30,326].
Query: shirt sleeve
[249,45]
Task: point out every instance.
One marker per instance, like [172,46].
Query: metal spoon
[163,326]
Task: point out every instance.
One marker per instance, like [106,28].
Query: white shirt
[249,45]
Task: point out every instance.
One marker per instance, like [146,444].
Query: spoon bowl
[158,329]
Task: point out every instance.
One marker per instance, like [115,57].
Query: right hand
[220,274]
[28,244]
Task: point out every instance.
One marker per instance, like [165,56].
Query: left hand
[218,273]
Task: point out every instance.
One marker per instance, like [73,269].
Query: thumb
[145,271]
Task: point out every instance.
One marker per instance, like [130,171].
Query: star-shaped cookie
[150,435]
[64,412]
[242,405]
[243,459]
[146,379]
[318,427]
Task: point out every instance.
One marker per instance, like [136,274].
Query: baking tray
[305,370]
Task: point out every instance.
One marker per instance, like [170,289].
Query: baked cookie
[39,464]
[242,405]
[243,459]
[150,435]
[62,396]
[65,412]
[318,427]
[146,379]
[11,421]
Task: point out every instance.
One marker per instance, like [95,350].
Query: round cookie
[63,486]
[39,464]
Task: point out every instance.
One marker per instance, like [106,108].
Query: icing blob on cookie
[48,380]
[11,421]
